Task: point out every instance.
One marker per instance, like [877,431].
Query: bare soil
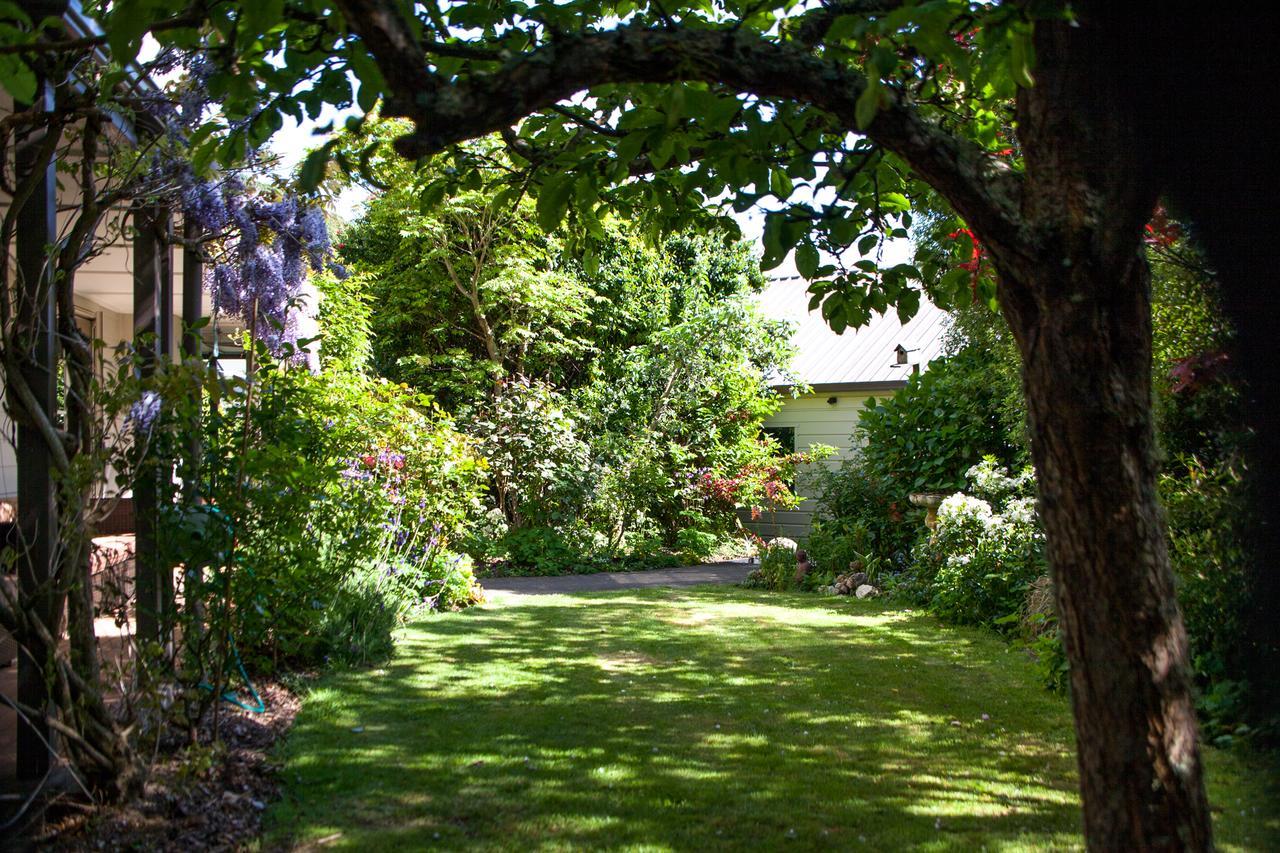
[208,797]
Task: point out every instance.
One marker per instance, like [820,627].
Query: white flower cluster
[962,509]
[1020,511]
[967,521]
[990,480]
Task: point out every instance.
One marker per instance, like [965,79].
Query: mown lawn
[712,718]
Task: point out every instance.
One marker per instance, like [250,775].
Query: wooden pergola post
[37,511]
[192,348]
[192,290]
[153,335]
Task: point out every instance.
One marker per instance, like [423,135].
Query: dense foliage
[927,435]
[985,565]
[988,548]
[862,104]
[861,518]
[615,389]
[322,514]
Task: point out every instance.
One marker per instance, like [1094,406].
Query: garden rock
[783,542]
[867,591]
[844,585]
[858,579]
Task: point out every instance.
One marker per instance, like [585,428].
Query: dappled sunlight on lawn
[694,718]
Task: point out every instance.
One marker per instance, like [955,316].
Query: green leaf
[894,201]
[17,79]
[370,77]
[807,260]
[313,168]
[431,196]
[838,321]
[868,104]
[126,25]
[663,149]
[1021,57]
[780,184]
[908,305]
[772,239]
[553,202]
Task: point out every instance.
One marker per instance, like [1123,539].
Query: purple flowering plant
[260,241]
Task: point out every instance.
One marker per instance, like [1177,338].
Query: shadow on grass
[673,719]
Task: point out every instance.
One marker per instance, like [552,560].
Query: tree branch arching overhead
[983,190]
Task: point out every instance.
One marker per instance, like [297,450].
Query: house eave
[846,387]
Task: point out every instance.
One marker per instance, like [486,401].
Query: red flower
[974,264]
[1160,231]
[1190,374]
[369,460]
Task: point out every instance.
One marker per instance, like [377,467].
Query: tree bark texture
[1087,383]
[1082,316]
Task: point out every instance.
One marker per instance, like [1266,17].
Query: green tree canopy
[1051,128]
[470,290]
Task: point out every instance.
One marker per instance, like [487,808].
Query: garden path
[709,573]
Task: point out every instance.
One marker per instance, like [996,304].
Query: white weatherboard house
[842,372]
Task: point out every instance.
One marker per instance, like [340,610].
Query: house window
[785,436]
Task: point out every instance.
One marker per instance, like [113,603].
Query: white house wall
[816,421]
[113,328]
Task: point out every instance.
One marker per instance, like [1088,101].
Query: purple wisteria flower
[144,411]
[279,216]
[266,260]
[225,287]
[204,203]
[313,234]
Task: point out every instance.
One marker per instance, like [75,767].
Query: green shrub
[695,544]
[544,550]
[1209,531]
[323,521]
[862,516]
[927,434]
[982,559]
[833,550]
[778,565]
[528,433]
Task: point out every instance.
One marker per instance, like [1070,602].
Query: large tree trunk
[1077,298]
[1087,379]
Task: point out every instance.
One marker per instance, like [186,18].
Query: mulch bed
[201,799]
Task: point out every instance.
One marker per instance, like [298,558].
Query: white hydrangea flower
[961,508]
[1021,511]
[991,480]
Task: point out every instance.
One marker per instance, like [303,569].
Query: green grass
[701,719]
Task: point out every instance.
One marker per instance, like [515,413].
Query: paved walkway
[712,573]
